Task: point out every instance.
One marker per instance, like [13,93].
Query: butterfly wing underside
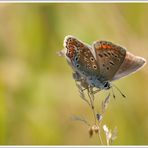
[130,65]
[109,57]
[80,56]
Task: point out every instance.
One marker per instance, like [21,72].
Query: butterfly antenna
[119,90]
[113,93]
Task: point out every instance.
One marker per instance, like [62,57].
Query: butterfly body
[100,63]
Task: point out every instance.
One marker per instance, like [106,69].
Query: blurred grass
[37,93]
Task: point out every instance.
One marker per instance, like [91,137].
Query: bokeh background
[38,96]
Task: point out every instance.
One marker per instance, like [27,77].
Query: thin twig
[77,118]
[92,106]
[100,138]
[82,95]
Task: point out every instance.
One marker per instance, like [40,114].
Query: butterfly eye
[106,85]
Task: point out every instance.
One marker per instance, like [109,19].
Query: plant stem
[100,138]
[92,106]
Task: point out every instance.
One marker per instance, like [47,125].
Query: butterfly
[101,63]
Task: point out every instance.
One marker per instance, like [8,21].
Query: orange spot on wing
[104,46]
[71,52]
[108,46]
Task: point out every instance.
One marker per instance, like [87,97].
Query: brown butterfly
[101,63]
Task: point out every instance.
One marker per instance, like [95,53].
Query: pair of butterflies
[100,63]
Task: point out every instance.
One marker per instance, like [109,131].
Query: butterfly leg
[96,91]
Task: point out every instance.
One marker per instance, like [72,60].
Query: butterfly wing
[80,56]
[130,65]
[109,57]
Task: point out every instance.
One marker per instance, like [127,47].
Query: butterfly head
[96,82]
[106,85]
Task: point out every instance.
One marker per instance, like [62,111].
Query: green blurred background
[37,93]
